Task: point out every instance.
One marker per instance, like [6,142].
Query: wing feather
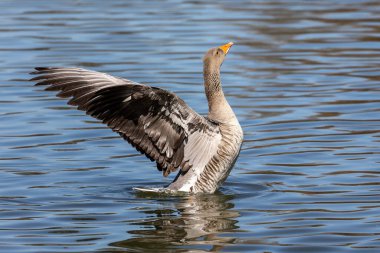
[155,121]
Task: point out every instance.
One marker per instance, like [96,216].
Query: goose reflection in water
[194,220]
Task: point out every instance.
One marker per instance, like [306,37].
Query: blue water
[302,77]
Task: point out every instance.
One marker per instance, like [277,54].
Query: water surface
[303,78]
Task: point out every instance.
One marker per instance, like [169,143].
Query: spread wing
[156,122]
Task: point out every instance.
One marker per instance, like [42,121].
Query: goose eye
[219,52]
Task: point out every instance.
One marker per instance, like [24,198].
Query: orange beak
[226,47]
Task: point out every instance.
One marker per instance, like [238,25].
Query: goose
[158,123]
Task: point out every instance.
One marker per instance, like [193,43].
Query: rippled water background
[303,78]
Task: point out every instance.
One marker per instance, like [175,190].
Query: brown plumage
[156,122]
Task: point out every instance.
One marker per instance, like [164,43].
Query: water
[303,78]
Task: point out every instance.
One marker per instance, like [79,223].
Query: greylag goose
[158,123]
